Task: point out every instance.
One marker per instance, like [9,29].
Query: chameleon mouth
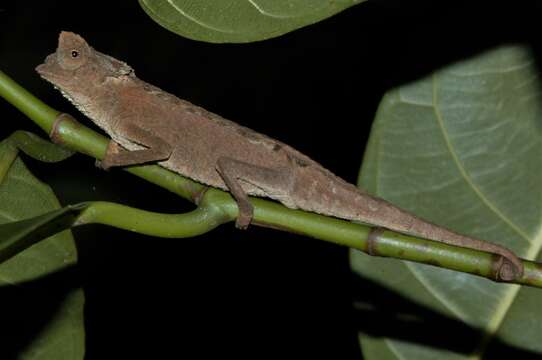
[44,73]
[40,69]
[49,70]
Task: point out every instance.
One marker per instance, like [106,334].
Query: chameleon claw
[246,212]
[102,164]
[506,270]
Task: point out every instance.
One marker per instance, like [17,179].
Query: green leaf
[19,235]
[22,196]
[239,20]
[463,149]
[38,148]
[33,146]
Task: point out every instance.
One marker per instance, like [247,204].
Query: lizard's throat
[79,103]
[87,107]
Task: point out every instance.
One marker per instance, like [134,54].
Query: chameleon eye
[71,58]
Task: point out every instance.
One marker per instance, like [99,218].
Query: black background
[260,292]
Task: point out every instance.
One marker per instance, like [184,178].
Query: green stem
[28,104]
[196,222]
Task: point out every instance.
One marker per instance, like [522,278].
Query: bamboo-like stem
[28,104]
[217,207]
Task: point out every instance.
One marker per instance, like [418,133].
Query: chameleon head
[76,69]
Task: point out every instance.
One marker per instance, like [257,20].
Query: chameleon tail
[332,196]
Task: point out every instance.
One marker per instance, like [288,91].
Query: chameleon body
[155,126]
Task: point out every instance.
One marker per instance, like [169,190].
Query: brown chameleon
[147,124]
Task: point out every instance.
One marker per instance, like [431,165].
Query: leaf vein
[197,21]
[264,12]
[443,300]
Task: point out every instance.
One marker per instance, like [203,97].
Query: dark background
[259,292]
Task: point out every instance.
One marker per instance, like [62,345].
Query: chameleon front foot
[112,149]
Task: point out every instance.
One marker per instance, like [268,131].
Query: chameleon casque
[147,124]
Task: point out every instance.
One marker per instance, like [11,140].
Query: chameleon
[147,124]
